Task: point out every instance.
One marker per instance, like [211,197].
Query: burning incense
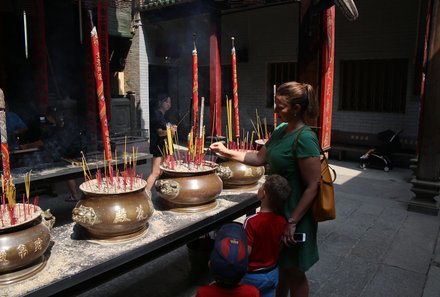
[27,184]
[202,110]
[4,140]
[25,34]
[100,90]
[235,89]
[195,80]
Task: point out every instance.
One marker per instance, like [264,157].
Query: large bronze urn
[190,188]
[23,244]
[235,174]
[118,212]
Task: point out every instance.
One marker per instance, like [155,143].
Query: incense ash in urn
[114,210]
[190,187]
[24,239]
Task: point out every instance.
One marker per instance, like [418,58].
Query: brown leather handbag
[323,206]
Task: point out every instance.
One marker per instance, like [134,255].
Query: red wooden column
[215,78]
[39,54]
[328,55]
[309,55]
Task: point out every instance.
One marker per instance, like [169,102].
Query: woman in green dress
[293,152]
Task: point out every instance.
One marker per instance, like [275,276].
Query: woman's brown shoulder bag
[323,206]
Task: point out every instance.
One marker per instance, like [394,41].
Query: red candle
[235,89]
[100,94]
[195,79]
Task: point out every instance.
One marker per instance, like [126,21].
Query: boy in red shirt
[264,230]
[228,264]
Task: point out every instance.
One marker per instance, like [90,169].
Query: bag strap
[295,145]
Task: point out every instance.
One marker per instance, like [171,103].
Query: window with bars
[373,85]
[277,74]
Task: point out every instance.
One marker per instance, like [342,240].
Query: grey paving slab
[350,279]
[413,247]
[392,281]
[432,286]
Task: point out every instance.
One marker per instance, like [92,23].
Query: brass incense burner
[23,245]
[190,188]
[118,212]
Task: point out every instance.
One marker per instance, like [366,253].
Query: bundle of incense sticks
[12,213]
[111,178]
[195,156]
[260,128]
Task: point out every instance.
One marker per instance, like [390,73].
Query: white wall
[385,29]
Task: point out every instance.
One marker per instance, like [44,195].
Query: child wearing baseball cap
[228,264]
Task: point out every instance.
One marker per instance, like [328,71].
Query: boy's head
[276,190]
[229,258]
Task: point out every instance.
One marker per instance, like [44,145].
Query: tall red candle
[100,94]
[195,79]
[235,89]
[4,140]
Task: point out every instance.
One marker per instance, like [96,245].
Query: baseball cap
[229,258]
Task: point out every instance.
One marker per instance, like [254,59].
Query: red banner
[235,91]
[195,79]
[100,94]
[328,50]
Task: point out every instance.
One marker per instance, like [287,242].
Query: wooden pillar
[215,80]
[426,184]
[310,45]
[39,54]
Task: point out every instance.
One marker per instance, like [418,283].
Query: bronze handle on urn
[169,188]
[224,172]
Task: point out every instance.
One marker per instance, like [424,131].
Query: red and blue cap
[229,258]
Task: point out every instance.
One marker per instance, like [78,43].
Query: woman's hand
[288,235]
[218,147]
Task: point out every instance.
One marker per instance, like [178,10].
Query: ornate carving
[260,170]
[48,219]
[248,172]
[168,187]
[85,215]
[140,213]
[224,172]
[38,244]
[3,259]
[22,251]
[121,216]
